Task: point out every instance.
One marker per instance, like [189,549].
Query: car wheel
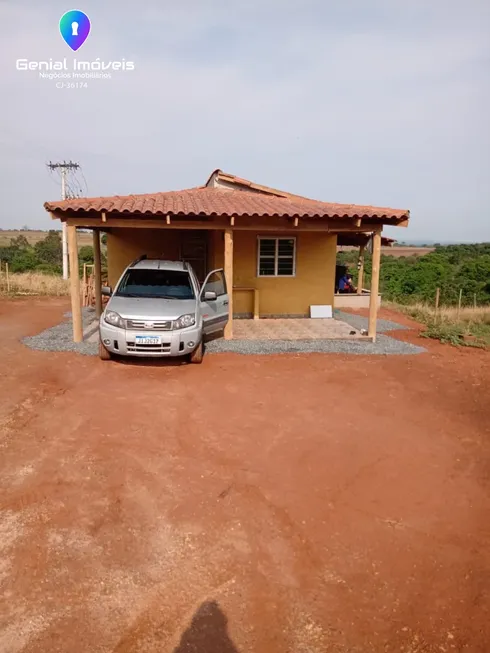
[197,354]
[104,354]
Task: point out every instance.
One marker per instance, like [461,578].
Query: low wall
[353,300]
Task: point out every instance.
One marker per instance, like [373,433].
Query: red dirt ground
[265,504]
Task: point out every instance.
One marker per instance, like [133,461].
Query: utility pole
[63,168]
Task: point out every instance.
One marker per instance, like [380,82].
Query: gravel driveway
[59,338]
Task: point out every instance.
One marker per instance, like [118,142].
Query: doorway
[194,250]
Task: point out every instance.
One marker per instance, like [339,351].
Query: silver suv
[159,309]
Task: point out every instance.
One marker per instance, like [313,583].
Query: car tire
[197,354]
[104,354]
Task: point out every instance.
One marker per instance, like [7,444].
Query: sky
[382,102]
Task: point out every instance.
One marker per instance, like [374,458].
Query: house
[278,249]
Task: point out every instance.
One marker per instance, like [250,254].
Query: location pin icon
[75,28]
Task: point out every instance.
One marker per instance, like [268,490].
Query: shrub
[49,250]
[86,254]
[23,260]
[446,332]
[48,268]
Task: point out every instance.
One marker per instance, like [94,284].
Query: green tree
[49,250]
[20,242]
[86,254]
[24,260]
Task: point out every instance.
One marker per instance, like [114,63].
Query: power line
[84,181]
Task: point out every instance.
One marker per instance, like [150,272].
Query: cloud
[354,102]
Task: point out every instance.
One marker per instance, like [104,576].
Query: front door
[214,302]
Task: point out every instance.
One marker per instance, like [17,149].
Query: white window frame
[276,257]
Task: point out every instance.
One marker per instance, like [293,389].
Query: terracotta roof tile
[210,202]
[239,181]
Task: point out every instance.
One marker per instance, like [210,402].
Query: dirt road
[272,504]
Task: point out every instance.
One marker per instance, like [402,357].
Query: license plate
[148,340]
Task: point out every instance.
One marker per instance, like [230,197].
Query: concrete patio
[293,329]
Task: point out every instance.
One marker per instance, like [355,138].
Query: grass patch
[468,327]
[35,283]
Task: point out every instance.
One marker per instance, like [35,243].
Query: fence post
[474,300]
[438,294]
[7,275]
[459,300]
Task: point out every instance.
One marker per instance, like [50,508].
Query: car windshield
[161,284]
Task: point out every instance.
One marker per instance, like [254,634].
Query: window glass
[267,267]
[285,247]
[276,257]
[268,247]
[216,283]
[169,284]
[285,267]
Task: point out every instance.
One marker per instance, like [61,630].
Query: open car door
[214,302]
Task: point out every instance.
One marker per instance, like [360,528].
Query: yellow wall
[313,284]
[315,266]
[125,245]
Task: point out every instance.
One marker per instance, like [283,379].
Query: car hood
[141,307]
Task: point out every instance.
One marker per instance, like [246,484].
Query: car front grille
[163,348]
[146,325]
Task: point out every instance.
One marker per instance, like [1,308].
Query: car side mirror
[106,291]
[210,296]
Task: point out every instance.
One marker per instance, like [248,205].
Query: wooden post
[84,286]
[229,281]
[373,298]
[360,279]
[438,296]
[7,276]
[256,304]
[97,273]
[460,300]
[474,300]
[76,308]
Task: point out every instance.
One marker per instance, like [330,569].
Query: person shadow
[207,633]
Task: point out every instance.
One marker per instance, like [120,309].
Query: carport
[278,250]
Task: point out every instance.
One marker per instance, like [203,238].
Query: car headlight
[111,317]
[185,321]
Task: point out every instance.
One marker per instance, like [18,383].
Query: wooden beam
[76,307]
[232,221]
[229,281]
[358,222]
[360,280]
[368,223]
[373,298]
[278,226]
[296,222]
[104,217]
[97,273]
[168,219]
